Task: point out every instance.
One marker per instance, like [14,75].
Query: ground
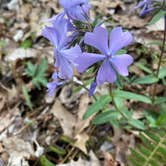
[36,128]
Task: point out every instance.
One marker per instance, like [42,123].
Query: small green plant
[37,73]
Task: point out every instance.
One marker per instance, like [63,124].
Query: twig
[160,59]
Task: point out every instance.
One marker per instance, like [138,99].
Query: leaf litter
[25,135]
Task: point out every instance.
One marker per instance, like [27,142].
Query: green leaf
[132,96]
[97,106]
[57,150]
[137,124]
[37,73]
[150,79]
[155,42]
[159,100]
[42,68]
[157,17]
[27,97]
[162,72]
[161,119]
[105,117]
[143,67]
[31,69]
[45,162]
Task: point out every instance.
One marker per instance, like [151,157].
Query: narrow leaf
[105,117]
[150,79]
[27,97]
[157,17]
[97,106]
[132,96]
[45,162]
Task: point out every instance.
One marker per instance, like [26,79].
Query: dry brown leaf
[129,21]
[81,141]
[20,53]
[93,161]
[103,6]
[19,147]
[19,150]
[66,119]
[122,142]
[82,124]
[109,161]
[73,125]
[7,118]
[2,100]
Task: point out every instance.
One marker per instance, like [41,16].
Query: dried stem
[160,59]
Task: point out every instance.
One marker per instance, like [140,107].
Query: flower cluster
[148,6]
[62,32]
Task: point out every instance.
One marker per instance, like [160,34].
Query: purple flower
[92,88]
[76,9]
[146,5]
[53,85]
[58,36]
[111,63]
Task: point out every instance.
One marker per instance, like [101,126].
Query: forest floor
[32,124]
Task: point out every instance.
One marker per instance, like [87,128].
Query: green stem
[84,86]
[160,59]
[114,103]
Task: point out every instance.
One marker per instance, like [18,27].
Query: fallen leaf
[21,53]
[66,119]
[73,125]
[81,140]
[109,161]
[7,118]
[19,150]
[93,161]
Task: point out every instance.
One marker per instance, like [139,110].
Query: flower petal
[61,26]
[105,73]
[119,39]
[92,88]
[51,35]
[55,76]
[72,53]
[140,4]
[69,4]
[76,9]
[85,60]
[65,68]
[51,86]
[121,63]
[98,39]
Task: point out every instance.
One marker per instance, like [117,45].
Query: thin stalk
[84,86]
[114,103]
[160,59]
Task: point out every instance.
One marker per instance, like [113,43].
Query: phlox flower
[147,6]
[58,36]
[51,86]
[76,9]
[108,45]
